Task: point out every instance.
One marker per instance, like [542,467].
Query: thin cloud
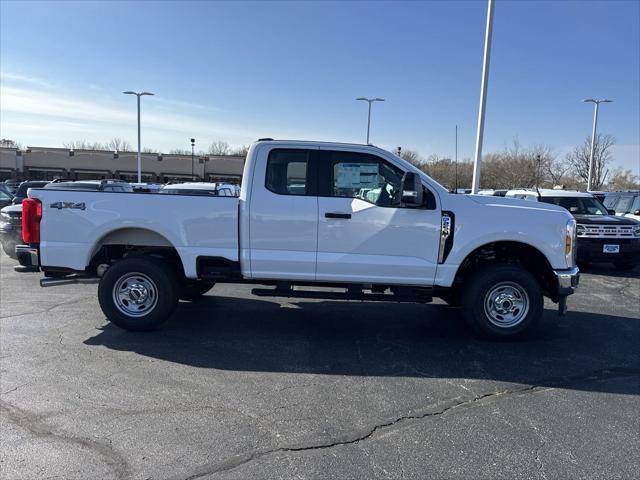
[21,79]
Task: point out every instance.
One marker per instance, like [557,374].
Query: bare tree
[412,157]
[180,151]
[84,145]
[219,148]
[623,180]
[118,144]
[241,151]
[580,157]
[8,143]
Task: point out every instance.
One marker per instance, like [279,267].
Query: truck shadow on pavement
[385,339]
[607,270]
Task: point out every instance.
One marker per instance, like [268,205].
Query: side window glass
[367,177]
[610,200]
[287,172]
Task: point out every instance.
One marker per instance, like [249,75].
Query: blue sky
[240,71]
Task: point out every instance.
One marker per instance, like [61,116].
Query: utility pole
[475,186]
[193,146]
[593,135]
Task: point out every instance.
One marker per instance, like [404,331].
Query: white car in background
[201,188]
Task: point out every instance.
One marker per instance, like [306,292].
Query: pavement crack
[354,437]
[47,310]
[539,461]
[30,422]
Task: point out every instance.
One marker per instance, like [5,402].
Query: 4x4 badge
[61,205]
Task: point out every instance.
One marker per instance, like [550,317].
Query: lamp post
[369,101]
[484,85]
[593,134]
[140,94]
[193,146]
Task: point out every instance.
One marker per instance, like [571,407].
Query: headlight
[570,243]
[5,215]
[580,230]
[636,231]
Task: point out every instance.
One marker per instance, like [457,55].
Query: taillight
[31,215]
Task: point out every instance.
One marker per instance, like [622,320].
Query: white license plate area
[608,248]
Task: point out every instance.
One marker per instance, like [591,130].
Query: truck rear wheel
[503,301]
[138,293]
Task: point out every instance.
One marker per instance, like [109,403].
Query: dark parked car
[21,193]
[5,198]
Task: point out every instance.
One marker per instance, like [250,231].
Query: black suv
[601,236]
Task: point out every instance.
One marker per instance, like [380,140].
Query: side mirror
[611,211]
[411,190]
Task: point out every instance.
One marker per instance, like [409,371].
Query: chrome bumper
[567,280]
[28,257]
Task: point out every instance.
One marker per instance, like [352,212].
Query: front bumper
[28,257]
[568,281]
[591,249]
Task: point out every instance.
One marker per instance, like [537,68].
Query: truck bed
[75,223]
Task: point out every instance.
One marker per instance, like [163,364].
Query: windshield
[578,205]
[627,204]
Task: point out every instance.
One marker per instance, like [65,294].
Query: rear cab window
[289,172]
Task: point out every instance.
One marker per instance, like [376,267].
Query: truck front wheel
[502,301]
[138,293]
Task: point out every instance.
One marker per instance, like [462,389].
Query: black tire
[517,288]
[9,249]
[154,282]
[193,290]
[624,266]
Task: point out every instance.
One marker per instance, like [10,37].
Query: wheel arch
[512,252]
[133,241]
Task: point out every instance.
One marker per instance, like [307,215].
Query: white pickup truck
[354,220]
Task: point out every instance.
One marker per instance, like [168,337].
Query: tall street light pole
[193,146]
[593,134]
[370,101]
[475,185]
[138,94]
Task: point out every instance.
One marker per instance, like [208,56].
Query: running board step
[369,297]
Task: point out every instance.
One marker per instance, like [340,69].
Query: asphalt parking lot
[240,387]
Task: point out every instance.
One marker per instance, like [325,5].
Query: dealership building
[44,163]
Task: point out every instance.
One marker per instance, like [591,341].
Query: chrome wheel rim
[135,294]
[506,304]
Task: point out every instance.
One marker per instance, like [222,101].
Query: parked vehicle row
[601,235]
[624,204]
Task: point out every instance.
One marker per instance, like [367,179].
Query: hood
[508,202]
[604,220]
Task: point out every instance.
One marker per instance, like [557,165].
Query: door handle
[345,216]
